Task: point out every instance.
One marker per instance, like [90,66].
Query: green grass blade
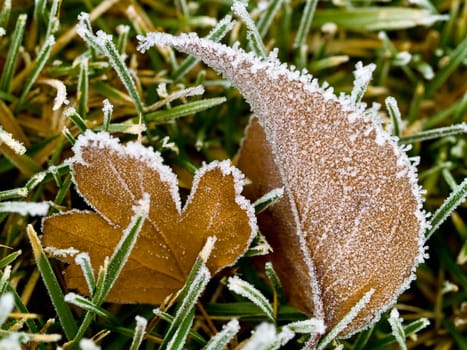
[194,286]
[125,246]
[55,292]
[449,205]
[456,58]
[246,290]
[38,65]
[7,260]
[333,333]
[180,335]
[305,23]
[254,38]
[184,110]
[122,40]
[375,19]
[266,18]
[113,266]
[88,306]
[76,118]
[395,114]
[14,193]
[5,14]
[83,87]
[223,338]
[169,318]
[411,328]
[140,329]
[268,199]
[102,43]
[274,279]
[53,22]
[397,329]
[9,67]
[84,261]
[452,130]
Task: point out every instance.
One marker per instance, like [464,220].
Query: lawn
[124,219]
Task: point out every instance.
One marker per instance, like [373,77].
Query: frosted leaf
[119,180]
[351,217]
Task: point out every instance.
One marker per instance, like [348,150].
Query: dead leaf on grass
[350,224]
[112,178]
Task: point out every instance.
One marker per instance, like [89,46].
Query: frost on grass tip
[113,178]
[351,216]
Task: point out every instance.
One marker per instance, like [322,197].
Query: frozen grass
[420,56]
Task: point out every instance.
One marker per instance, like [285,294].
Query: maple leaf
[112,178]
[350,225]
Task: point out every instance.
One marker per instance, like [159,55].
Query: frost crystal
[7,303]
[351,217]
[88,344]
[25,208]
[56,252]
[7,138]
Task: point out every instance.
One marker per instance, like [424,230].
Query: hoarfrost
[25,208]
[7,138]
[7,303]
[265,337]
[107,109]
[88,344]
[147,156]
[57,252]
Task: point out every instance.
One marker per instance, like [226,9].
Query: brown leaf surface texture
[351,194]
[112,178]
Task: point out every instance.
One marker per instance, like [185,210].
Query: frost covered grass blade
[102,43]
[246,290]
[17,38]
[397,329]
[25,208]
[223,338]
[456,198]
[175,336]
[265,337]
[56,295]
[113,266]
[345,321]
[140,329]
[36,69]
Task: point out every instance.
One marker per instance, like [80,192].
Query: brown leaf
[351,219]
[112,178]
